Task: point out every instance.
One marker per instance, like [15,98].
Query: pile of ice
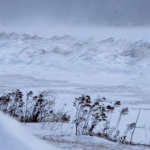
[35,45]
[26,54]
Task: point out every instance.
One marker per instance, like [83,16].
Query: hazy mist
[31,12]
[51,16]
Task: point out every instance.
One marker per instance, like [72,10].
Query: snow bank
[13,137]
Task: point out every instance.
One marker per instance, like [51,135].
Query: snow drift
[13,137]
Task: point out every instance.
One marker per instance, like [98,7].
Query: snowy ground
[62,136]
[117,69]
[16,137]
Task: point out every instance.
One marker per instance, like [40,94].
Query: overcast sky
[81,12]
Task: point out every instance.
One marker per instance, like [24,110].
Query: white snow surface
[113,68]
[123,62]
[14,137]
[60,56]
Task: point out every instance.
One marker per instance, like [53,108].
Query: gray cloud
[53,12]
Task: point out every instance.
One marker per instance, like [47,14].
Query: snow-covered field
[71,66]
[117,69]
